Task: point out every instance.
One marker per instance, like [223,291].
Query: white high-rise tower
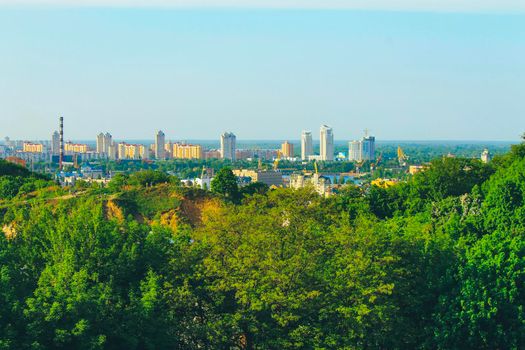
[55,143]
[228,141]
[307,148]
[100,143]
[326,143]
[160,141]
[108,140]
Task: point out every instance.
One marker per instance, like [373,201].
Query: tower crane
[376,163]
[276,161]
[401,156]
[358,165]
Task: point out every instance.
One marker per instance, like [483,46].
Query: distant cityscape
[56,150]
[73,161]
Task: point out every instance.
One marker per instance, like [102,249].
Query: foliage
[437,261]
[225,184]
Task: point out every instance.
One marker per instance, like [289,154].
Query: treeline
[17,180]
[434,263]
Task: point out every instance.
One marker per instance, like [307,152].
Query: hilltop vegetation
[437,262]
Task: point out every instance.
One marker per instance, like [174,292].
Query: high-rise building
[62,150]
[362,150]
[168,148]
[355,153]
[326,143]
[287,150]
[160,140]
[55,143]
[228,141]
[486,156]
[368,147]
[100,143]
[104,141]
[112,151]
[307,148]
[108,141]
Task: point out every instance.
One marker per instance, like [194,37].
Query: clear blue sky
[261,73]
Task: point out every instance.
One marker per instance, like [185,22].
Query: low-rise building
[268,177]
[212,154]
[129,151]
[71,148]
[30,147]
[321,184]
[414,169]
[186,151]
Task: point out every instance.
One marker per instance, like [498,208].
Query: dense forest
[436,262]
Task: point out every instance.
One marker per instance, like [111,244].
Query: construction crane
[358,165]
[401,156]
[75,161]
[276,161]
[379,159]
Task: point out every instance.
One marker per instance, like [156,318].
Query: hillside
[437,262]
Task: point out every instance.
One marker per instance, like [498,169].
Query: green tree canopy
[225,184]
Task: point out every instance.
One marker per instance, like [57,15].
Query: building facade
[112,151]
[369,148]
[268,177]
[362,150]
[73,148]
[100,143]
[228,146]
[134,152]
[55,143]
[33,147]
[160,140]
[287,150]
[212,154]
[307,148]
[486,156]
[326,143]
[355,153]
[185,151]
[107,142]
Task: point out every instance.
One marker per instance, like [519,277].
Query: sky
[405,70]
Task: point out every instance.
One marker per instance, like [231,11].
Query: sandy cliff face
[113,211]
[9,231]
[188,210]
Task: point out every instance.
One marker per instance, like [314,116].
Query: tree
[253,188]
[10,169]
[225,185]
[148,178]
[118,182]
[485,310]
[9,186]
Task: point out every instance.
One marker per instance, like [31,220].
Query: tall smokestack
[61,142]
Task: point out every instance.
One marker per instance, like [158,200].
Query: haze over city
[418,71]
